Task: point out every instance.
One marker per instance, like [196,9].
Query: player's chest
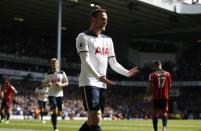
[7,89]
[55,78]
[99,46]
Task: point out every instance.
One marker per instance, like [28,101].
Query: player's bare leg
[7,114]
[94,120]
[164,120]
[42,114]
[54,119]
[2,115]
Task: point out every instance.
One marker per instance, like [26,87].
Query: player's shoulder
[166,72]
[61,72]
[152,73]
[105,36]
[51,72]
[85,34]
[82,34]
[90,33]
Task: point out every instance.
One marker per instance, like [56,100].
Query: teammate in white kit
[95,51]
[55,80]
[42,96]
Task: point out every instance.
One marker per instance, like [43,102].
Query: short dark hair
[6,79]
[96,11]
[157,62]
[53,59]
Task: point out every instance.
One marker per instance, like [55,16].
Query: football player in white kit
[55,79]
[95,51]
[42,96]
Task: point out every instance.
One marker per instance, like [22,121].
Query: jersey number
[161,82]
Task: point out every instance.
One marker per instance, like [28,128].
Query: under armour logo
[82,45]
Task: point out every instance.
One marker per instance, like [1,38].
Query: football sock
[7,116]
[54,120]
[95,128]
[164,121]
[41,115]
[2,116]
[84,127]
[155,123]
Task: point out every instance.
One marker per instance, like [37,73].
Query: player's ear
[92,19]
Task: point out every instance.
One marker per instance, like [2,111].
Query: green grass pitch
[117,125]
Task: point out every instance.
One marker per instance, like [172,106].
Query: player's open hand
[58,84]
[133,71]
[105,80]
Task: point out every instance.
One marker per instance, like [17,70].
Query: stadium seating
[123,102]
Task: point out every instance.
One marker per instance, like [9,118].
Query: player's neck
[95,31]
[55,70]
[159,69]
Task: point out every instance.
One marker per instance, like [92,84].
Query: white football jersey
[100,49]
[53,77]
[42,93]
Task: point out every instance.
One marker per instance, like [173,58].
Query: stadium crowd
[123,102]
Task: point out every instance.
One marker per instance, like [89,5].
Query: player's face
[6,82]
[54,65]
[100,21]
[157,66]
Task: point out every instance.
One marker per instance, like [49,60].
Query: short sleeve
[65,78]
[170,79]
[150,77]
[81,43]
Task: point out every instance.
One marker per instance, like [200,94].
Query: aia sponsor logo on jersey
[102,51]
[55,80]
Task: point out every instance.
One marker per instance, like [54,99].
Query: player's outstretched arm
[120,69]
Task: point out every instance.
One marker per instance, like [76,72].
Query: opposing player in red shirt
[159,86]
[7,92]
